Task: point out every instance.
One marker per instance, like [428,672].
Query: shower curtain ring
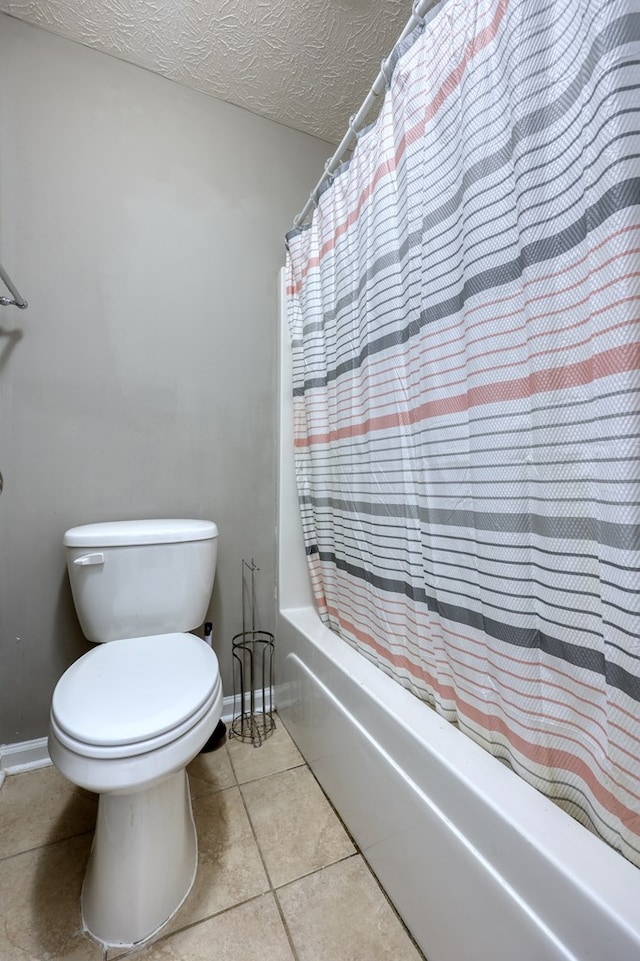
[384,70]
[352,126]
[329,174]
[418,17]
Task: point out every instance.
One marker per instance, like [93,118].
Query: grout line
[186,927]
[46,844]
[359,851]
[272,888]
[283,921]
[393,908]
[336,812]
[213,789]
[233,770]
[255,838]
[254,780]
[325,867]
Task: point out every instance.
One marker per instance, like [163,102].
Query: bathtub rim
[599,878]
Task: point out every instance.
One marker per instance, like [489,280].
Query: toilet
[128,716]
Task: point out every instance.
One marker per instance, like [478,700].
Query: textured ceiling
[306,63]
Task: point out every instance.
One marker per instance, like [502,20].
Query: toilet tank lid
[114,533]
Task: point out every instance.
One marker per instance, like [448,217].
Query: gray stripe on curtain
[624,30]
[532,638]
[618,197]
[620,536]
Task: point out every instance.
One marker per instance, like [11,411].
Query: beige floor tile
[229,865]
[40,904]
[340,913]
[42,806]
[296,827]
[211,772]
[276,753]
[249,932]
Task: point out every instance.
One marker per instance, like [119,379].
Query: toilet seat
[131,696]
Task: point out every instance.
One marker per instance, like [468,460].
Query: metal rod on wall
[420,8]
[18,300]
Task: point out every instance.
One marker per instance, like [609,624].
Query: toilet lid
[132,690]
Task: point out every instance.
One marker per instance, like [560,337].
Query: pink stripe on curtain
[464,319]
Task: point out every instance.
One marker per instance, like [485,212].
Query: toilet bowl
[128,716]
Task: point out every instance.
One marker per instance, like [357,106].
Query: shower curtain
[464,314]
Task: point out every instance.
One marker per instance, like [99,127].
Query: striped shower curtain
[464,312]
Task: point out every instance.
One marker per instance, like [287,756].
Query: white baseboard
[23,756]
[228,705]
[227,709]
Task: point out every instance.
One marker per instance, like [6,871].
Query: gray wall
[143,222]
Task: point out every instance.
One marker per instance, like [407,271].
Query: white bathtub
[480,866]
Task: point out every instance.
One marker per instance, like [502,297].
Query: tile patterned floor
[279,878]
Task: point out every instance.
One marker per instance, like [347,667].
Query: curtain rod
[18,299]
[380,84]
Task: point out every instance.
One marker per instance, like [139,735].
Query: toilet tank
[133,578]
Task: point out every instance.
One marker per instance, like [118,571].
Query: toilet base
[216,740]
[143,862]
